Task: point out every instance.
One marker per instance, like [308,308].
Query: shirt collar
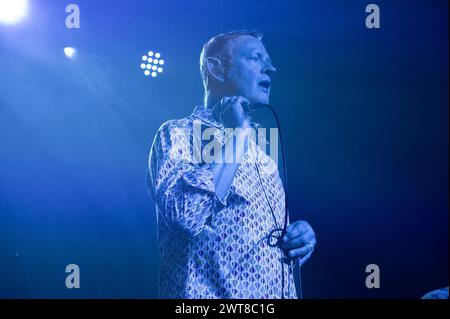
[205,114]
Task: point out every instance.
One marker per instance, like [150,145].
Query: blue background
[364,114]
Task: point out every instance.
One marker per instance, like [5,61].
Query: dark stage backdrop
[364,114]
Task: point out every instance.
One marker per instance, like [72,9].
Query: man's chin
[260,99]
[263,101]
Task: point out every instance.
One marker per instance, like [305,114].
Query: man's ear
[215,68]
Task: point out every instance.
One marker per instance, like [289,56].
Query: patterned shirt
[211,247]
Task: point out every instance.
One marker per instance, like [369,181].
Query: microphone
[254,106]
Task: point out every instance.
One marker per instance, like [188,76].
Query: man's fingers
[295,230]
[225,103]
[303,239]
[301,252]
[304,259]
[294,243]
[228,101]
[243,101]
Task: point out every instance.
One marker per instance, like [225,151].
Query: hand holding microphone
[232,111]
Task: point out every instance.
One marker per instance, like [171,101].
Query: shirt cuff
[203,178]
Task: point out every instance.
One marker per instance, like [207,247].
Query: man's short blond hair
[218,47]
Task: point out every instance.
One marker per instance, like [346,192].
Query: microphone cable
[250,108]
[286,212]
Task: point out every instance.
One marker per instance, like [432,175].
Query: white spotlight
[152,63]
[12,11]
[69,51]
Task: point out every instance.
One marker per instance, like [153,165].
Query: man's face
[250,70]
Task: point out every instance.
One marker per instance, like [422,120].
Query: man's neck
[211,99]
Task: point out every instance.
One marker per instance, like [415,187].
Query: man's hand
[299,241]
[231,112]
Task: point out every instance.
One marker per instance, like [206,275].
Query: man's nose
[269,69]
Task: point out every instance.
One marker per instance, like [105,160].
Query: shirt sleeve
[183,190]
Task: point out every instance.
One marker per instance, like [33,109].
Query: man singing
[220,220]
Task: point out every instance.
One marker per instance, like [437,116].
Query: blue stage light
[70,52]
[12,11]
[153,61]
